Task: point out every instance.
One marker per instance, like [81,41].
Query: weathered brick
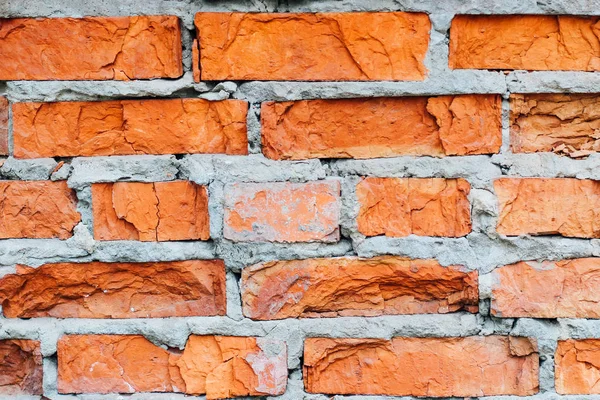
[40,209]
[91,48]
[115,290]
[437,367]
[282,212]
[413,206]
[122,127]
[540,206]
[577,366]
[530,42]
[382,127]
[350,286]
[159,211]
[3,126]
[21,369]
[359,46]
[563,123]
[551,289]
[218,366]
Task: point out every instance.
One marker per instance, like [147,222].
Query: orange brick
[40,209]
[437,367]
[166,126]
[566,124]
[218,366]
[540,206]
[530,42]
[350,286]
[413,206]
[91,48]
[3,126]
[158,211]
[21,369]
[551,289]
[115,290]
[382,127]
[359,46]
[282,212]
[577,366]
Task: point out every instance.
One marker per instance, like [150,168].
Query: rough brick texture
[315,199]
[531,42]
[150,211]
[360,46]
[121,48]
[40,210]
[219,367]
[384,127]
[424,207]
[3,126]
[115,290]
[495,365]
[331,287]
[169,126]
[567,124]
[567,207]
[578,366]
[21,370]
[283,212]
[560,289]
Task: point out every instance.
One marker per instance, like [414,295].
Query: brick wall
[299,200]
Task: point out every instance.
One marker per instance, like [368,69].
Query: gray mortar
[482,250]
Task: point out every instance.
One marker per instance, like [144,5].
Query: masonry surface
[354,199]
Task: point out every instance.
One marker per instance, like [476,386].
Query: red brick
[282,212]
[3,126]
[413,206]
[382,127]
[577,366]
[540,206]
[436,367]
[355,46]
[567,124]
[91,48]
[350,286]
[530,42]
[551,289]
[115,290]
[40,209]
[122,127]
[218,366]
[21,369]
[158,211]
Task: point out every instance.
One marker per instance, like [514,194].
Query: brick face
[218,366]
[332,287]
[41,210]
[167,126]
[21,369]
[567,124]
[383,127]
[496,365]
[115,290]
[530,42]
[360,46]
[577,366]
[403,206]
[547,290]
[92,48]
[567,207]
[3,126]
[158,211]
[282,212]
